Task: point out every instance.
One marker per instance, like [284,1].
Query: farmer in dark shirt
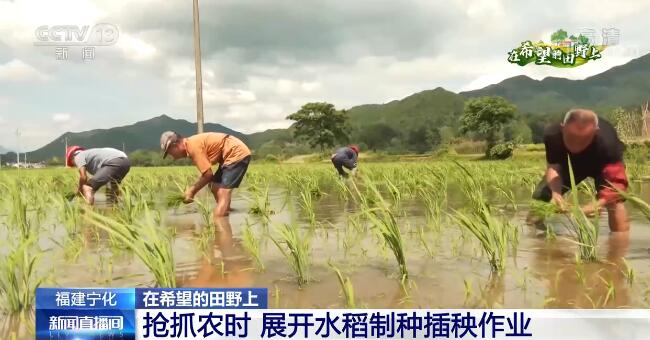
[345,157]
[596,152]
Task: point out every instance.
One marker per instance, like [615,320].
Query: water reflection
[601,284]
[226,265]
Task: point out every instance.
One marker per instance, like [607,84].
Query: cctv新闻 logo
[73,35]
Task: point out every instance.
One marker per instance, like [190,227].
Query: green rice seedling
[394,192]
[18,216]
[252,245]
[468,289]
[628,272]
[491,232]
[151,244]
[346,286]
[508,195]
[205,210]
[261,205]
[70,215]
[584,230]
[19,278]
[382,218]
[636,202]
[205,241]
[295,248]
[175,198]
[276,296]
[424,242]
[611,290]
[307,205]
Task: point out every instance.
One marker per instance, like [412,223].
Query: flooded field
[397,236]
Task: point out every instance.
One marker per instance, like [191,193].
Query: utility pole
[123,148]
[197,66]
[65,153]
[18,148]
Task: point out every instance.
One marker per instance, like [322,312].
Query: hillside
[625,85]
[438,107]
[141,135]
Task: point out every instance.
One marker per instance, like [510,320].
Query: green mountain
[436,107]
[626,85]
[144,135]
[412,117]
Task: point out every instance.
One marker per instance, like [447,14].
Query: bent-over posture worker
[206,149]
[595,151]
[345,157]
[106,165]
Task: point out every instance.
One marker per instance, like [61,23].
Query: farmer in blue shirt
[346,157]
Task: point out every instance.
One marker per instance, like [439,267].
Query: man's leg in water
[618,218]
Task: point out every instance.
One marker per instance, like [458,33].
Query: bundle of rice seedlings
[174,199]
[584,229]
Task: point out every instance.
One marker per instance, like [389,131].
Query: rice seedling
[424,242]
[307,204]
[584,230]
[18,216]
[252,245]
[611,290]
[261,205]
[468,289]
[151,244]
[205,210]
[385,224]
[628,272]
[492,232]
[19,278]
[346,286]
[276,296]
[636,201]
[295,248]
[174,199]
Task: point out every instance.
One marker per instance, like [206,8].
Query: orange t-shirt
[210,148]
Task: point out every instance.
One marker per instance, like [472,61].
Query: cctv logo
[71,35]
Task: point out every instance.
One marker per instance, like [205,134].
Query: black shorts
[112,171]
[230,176]
[543,191]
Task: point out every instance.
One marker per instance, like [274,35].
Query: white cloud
[226,96]
[61,117]
[18,71]
[136,49]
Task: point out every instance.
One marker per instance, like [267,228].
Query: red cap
[355,148]
[69,153]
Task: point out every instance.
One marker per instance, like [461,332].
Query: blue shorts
[230,176]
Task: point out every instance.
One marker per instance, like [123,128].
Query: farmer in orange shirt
[206,149]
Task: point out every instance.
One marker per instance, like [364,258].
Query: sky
[263,59]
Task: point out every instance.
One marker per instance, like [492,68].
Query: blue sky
[263,59]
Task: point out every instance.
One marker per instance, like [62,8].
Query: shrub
[501,151]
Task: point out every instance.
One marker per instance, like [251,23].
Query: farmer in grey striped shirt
[106,165]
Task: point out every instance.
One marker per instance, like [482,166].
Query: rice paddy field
[434,234]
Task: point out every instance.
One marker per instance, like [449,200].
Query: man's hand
[559,201]
[189,196]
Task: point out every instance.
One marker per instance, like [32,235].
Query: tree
[320,124]
[559,35]
[486,116]
[377,136]
[583,40]
[423,139]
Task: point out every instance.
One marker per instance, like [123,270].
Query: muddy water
[541,273]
